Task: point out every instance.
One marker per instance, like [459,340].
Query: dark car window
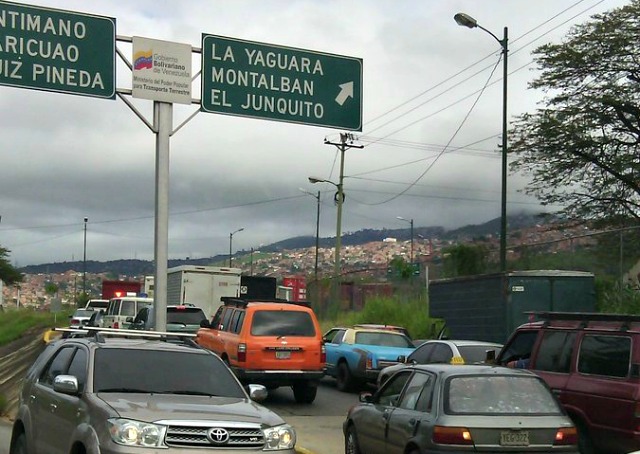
[143,315]
[418,384]
[442,354]
[383,339]
[421,354]
[554,353]
[226,318]
[136,370]
[215,320]
[282,323]
[78,368]
[239,320]
[425,400]
[187,315]
[605,355]
[389,394]
[114,307]
[57,366]
[476,353]
[128,308]
[520,346]
[338,336]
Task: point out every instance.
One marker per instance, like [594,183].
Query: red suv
[591,362]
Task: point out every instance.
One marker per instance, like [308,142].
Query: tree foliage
[8,274]
[465,260]
[582,145]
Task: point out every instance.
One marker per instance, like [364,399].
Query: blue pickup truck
[356,355]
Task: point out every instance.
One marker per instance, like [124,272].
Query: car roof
[140,343]
[464,342]
[475,369]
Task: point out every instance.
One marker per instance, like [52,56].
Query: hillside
[132,267]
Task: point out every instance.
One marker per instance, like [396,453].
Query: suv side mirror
[402,359]
[205,324]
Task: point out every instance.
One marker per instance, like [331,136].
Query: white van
[122,311]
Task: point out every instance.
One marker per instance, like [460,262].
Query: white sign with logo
[161,70]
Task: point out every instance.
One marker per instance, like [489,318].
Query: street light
[410,221]
[339,198]
[84,259]
[467,21]
[231,243]
[317,197]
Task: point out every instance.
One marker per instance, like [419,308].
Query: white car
[80,318]
[444,351]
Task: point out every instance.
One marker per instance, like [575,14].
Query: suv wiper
[188,393]
[123,390]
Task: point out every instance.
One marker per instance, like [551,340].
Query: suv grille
[199,436]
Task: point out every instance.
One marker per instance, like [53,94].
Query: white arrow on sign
[346,91]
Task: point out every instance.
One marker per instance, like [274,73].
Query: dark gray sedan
[445,408]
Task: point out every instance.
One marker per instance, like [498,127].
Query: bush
[412,315]
[14,323]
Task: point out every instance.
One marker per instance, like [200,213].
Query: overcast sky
[430,133]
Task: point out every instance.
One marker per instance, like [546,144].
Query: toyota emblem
[218,435]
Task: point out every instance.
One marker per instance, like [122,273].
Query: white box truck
[202,286]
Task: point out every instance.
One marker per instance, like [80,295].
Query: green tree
[8,274]
[398,266]
[464,260]
[581,145]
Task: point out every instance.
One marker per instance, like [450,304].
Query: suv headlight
[279,437]
[136,433]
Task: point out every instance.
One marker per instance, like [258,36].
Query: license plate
[283,355]
[512,438]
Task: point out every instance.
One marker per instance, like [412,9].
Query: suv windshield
[282,323]
[146,371]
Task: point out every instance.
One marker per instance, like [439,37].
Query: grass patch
[412,315]
[14,323]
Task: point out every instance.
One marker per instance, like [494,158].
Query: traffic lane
[5,436]
[318,425]
[329,401]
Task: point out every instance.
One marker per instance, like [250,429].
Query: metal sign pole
[162,122]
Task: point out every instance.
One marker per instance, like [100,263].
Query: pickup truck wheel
[304,393]
[351,445]
[344,380]
[20,445]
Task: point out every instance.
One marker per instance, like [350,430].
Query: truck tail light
[116,325]
[452,435]
[566,436]
[74,322]
[242,352]
[323,353]
[369,363]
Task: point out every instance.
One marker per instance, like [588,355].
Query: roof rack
[585,316]
[242,302]
[100,333]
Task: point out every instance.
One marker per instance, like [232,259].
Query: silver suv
[108,394]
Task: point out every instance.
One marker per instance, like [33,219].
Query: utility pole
[346,142]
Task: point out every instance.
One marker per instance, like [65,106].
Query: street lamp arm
[467,21]
[315,180]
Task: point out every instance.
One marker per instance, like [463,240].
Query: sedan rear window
[499,395]
[146,371]
[282,323]
[187,316]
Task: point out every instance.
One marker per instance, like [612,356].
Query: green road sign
[257,80]
[55,50]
